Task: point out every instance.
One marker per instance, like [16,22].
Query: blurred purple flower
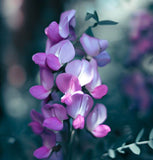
[95,120]
[47,81]
[78,110]
[96,48]
[135,87]
[69,85]
[95,87]
[53,116]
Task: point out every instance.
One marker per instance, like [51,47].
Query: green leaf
[150,143]
[135,149]
[139,135]
[88,16]
[111,153]
[89,32]
[120,150]
[107,22]
[151,134]
[95,16]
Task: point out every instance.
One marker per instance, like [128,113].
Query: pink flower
[95,47]
[56,55]
[69,85]
[95,120]
[95,87]
[49,141]
[53,116]
[36,124]
[65,29]
[79,109]
[47,81]
[81,69]
[60,54]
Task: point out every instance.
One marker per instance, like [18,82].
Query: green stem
[126,146]
[70,145]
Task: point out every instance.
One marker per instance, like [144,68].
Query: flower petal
[39,92]
[36,127]
[103,58]
[79,122]
[52,32]
[53,62]
[54,110]
[67,82]
[101,131]
[81,104]
[96,117]
[40,59]
[49,138]
[66,20]
[96,80]
[42,152]
[99,91]
[67,52]
[81,69]
[93,46]
[46,77]
[36,116]
[49,43]
[53,123]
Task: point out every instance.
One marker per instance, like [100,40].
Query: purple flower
[52,32]
[69,85]
[56,55]
[36,124]
[49,141]
[95,120]
[67,24]
[81,69]
[96,48]
[53,116]
[59,54]
[95,87]
[65,29]
[47,81]
[78,110]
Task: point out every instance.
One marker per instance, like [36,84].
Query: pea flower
[59,54]
[37,121]
[78,110]
[95,120]
[53,116]
[56,55]
[65,29]
[47,81]
[81,69]
[49,141]
[69,85]
[95,47]
[95,87]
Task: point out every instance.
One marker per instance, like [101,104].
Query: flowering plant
[70,82]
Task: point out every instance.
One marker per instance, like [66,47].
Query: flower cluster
[68,86]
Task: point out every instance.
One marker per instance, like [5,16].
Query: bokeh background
[129,76]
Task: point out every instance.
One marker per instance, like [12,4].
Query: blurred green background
[130,80]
